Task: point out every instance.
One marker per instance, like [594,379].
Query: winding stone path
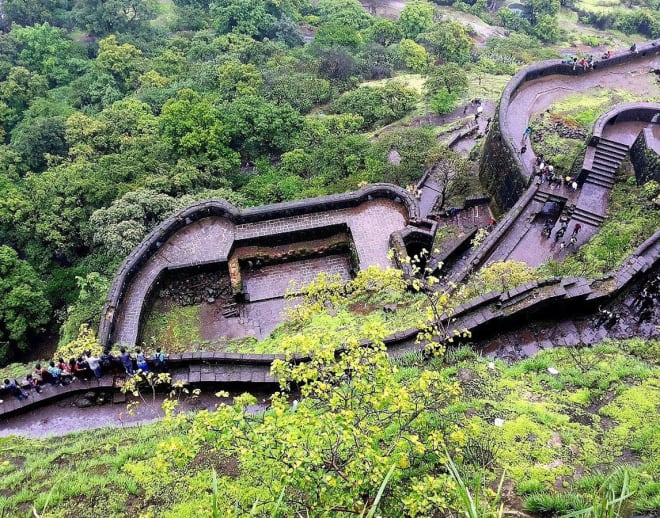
[517,236]
[537,95]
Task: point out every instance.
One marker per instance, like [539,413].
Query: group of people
[415,191]
[563,226]
[546,173]
[586,63]
[85,367]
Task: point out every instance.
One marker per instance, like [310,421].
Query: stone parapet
[252,223]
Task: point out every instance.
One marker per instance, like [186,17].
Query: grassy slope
[557,429]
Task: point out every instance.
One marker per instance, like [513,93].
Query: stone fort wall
[283,212]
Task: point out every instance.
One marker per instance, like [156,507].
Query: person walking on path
[576,230]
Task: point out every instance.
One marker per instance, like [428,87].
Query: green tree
[539,8]
[302,91]
[32,12]
[249,17]
[18,91]
[413,146]
[450,170]
[416,17]
[336,33]
[414,56]
[259,127]
[348,13]
[449,41]
[87,309]
[123,62]
[356,419]
[40,139]
[378,105]
[384,32]
[47,50]
[24,309]
[450,78]
[236,79]
[102,17]
[192,126]
[117,229]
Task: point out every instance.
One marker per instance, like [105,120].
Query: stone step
[605,171]
[541,196]
[613,144]
[599,178]
[605,167]
[606,149]
[607,160]
[589,218]
[599,183]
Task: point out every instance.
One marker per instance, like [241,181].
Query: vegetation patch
[518,419]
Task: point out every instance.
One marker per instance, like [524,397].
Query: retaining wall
[644,159]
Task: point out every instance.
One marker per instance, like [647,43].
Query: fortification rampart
[289,217]
[501,169]
[494,311]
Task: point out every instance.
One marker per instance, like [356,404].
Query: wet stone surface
[627,321]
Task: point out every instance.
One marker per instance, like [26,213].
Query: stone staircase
[609,154]
[582,215]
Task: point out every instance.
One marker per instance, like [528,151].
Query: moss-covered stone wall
[499,171]
[644,159]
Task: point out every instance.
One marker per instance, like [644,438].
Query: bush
[378,104]
[444,102]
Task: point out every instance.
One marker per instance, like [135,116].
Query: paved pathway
[536,96]
[210,240]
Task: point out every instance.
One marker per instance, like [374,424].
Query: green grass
[173,327]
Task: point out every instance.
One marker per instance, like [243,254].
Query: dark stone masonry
[216,233]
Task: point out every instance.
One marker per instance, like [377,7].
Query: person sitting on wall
[633,48]
[12,388]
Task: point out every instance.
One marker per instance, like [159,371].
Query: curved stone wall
[501,169]
[645,112]
[286,215]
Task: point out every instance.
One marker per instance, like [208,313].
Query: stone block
[207,377]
